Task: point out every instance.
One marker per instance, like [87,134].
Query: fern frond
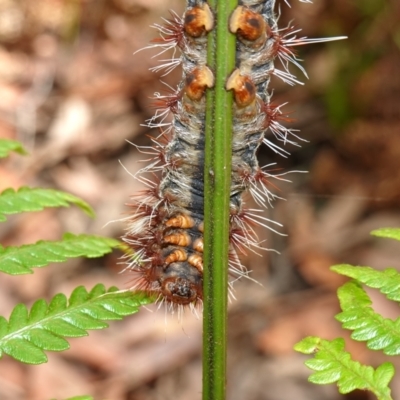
[27,335]
[390,233]
[21,260]
[7,146]
[387,281]
[367,325]
[333,364]
[30,199]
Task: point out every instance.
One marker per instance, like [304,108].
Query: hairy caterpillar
[166,226]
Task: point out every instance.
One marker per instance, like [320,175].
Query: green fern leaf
[24,351]
[80,398]
[7,146]
[391,233]
[27,335]
[387,281]
[21,260]
[3,326]
[367,325]
[29,199]
[332,363]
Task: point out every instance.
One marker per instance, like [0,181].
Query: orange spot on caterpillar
[176,255]
[249,25]
[198,245]
[243,88]
[201,227]
[198,21]
[197,81]
[180,221]
[179,239]
[196,261]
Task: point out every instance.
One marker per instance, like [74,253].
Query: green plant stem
[217,176]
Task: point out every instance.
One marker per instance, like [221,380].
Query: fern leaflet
[7,146]
[367,325]
[387,281]
[20,260]
[333,364]
[27,335]
[390,233]
[30,199]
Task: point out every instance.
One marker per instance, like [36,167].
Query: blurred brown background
[73,93]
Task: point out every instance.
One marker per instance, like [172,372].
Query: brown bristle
[176,162]
[150,193]
[168,102]
[140,281]
[273,113]
[161,142]
[265,178]
[243,170]
[157,260]
[237,237]
[279,46]
[173,31]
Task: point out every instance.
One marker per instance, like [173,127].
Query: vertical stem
[217,177]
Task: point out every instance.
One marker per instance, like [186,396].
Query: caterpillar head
[181,283]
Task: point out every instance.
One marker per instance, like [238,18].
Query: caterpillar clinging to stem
[166,225]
